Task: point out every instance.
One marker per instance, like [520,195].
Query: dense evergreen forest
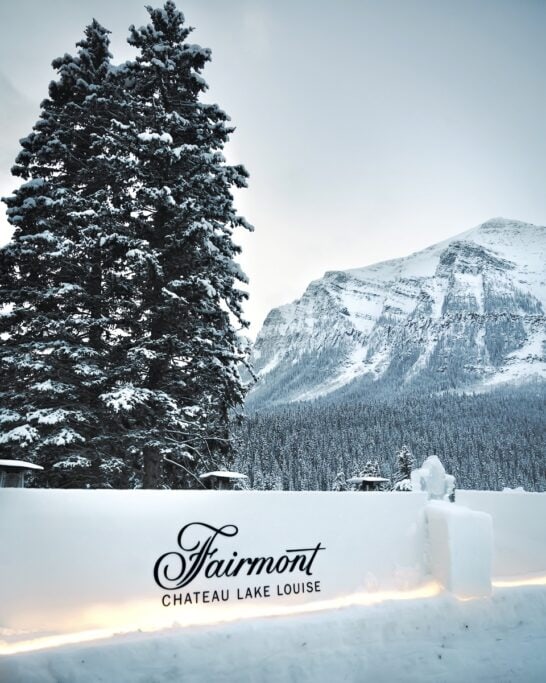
[488,441]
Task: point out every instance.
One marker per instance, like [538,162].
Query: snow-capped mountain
[467,313]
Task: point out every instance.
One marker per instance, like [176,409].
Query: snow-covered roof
[359,480]
[224,474]
[20,465]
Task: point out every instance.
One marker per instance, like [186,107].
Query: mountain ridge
[465,313]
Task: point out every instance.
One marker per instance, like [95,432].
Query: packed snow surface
[501,639]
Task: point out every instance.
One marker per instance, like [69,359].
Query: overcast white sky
[370,128]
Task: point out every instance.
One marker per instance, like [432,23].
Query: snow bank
[422,641]
[519,525]
[460,548]
[76,559]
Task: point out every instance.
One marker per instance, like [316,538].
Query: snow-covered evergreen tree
[120,288]
[404,465]
[179,378]
[370,469]
[52,350]
[340,483]
[258,481]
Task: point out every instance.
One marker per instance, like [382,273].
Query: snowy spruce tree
[52,356]
[404,465]
[178,376]
[340,483]
[121,306]
[370,469]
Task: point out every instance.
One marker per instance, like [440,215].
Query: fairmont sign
[234,554]
[199,557]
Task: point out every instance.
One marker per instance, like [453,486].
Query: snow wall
[75,559]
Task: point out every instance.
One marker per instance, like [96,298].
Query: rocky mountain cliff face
[464,314]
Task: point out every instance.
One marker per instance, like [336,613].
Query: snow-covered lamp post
[222,480]
[368,483]
[369,479]
[12,472]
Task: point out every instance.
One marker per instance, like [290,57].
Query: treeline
[488,441]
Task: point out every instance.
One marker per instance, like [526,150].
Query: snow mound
[418,641]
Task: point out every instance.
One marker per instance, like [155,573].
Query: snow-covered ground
[440,639]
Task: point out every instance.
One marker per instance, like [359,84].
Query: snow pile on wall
[460,543]
[519,529]
[431,477]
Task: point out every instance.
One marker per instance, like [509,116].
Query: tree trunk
[153,468]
